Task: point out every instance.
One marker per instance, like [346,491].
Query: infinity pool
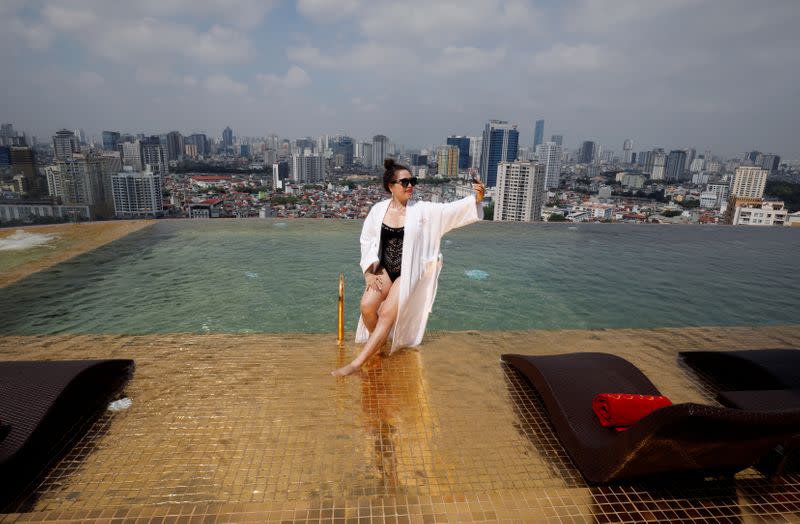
[281,276]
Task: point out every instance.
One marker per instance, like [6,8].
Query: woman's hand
[479,189]
[375,280]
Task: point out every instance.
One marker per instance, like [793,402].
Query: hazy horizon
[710,74]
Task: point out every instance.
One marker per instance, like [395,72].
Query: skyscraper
[380,148]
[659,163]
[550,158]
[771,162]
[676,164]
[153,154]
[199,140]
[538,134]
[136,194]
[174,146]
[447,158]
[627,151]
[132,155]
[558,139]
[344,146]
[462,142]
[520,192]
[588,152]
[65,144]
[500,144]
[749,182]
[475,148]
[227,137]
[110,140]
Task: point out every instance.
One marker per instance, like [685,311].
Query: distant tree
[556,217]
[786,191]
[671,213]
[488,212]
[690,204]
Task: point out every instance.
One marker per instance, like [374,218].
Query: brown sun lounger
[747,370]
[45,404]
[682,438]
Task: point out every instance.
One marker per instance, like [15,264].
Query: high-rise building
[227,137]
[658,164]
[771,162]
[462,142]
[136,194]
[550,158]
[558,139]
[475,148]
[307,168]
[697,165]
[153,155]
[9,137]
[447,158]
[676,164]
[691,154]
[54,185]
[280,173]
[132,155]
[627,151]
[344,145]
[23,163]
[520,192]
[367,154]
[199,140]
[110,140]
[380,149]
[82,180]
[65,144]
[538,134]
[588,152]
[500,144]
[749,182]
[175,144]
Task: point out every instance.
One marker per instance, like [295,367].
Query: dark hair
[391,171]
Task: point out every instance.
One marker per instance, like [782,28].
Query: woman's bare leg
[387,314]
[371,301]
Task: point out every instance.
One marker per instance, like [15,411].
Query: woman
[401,262]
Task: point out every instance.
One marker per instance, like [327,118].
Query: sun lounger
[45,404]
[681,438]
[754,369]
[756,379]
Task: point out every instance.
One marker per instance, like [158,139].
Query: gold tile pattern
[252,428]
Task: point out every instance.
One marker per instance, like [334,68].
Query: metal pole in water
[341,309]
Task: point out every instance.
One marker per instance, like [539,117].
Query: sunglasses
[406,181]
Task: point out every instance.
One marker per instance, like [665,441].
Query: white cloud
[328,10]
[295,78]
[456,60]
[563,58]
[605,16]
[89,80]
[225,85]
[361,56]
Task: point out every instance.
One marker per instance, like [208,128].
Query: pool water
[242,276]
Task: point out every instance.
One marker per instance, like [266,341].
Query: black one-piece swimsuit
[391,252]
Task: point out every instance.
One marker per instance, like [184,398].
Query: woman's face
[402,194]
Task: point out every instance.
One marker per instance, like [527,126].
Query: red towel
[621,410]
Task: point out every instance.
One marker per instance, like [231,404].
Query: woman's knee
[369,305]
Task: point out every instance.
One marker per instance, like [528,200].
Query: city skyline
[673,75]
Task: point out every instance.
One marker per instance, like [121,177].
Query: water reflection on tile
[253,428]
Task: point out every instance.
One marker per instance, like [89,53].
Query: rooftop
[253,428]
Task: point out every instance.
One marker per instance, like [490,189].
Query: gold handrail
[341,309]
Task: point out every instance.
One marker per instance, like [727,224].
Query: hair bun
[388,163]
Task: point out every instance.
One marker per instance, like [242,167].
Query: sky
[719,75]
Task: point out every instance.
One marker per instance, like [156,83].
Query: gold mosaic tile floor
[228,428]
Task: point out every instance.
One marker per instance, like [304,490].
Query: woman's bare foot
[344,371]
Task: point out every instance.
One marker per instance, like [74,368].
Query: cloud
[326,11]
[295,78]
[367,55]
[225,85]
[569,59]
[456,60]
[89,80]
[605,16]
